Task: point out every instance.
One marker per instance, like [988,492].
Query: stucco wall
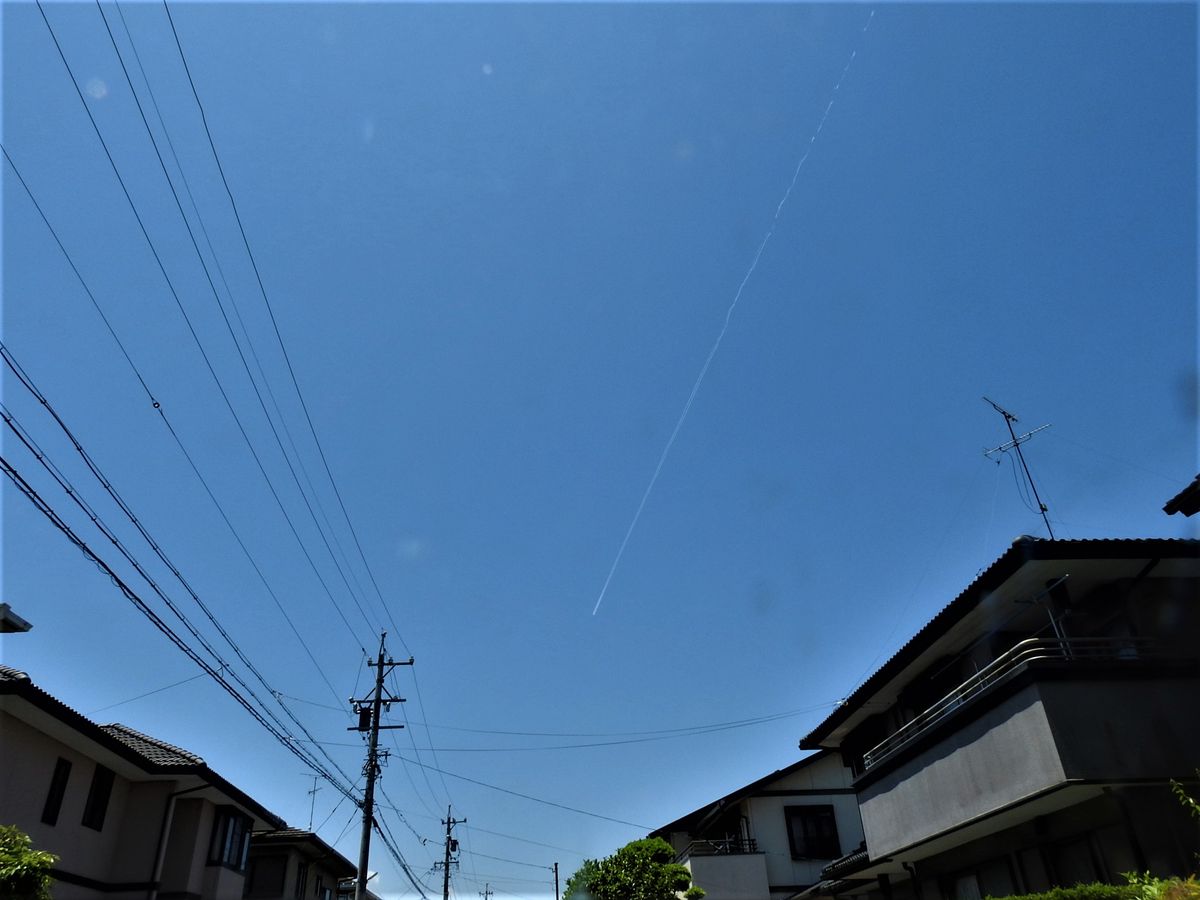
[1135,728]
[123,850]
[735,877]
[768,823]
[1006,754]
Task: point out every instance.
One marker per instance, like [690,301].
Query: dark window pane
[58,788]
[230,839]
[812,832]
[96,807]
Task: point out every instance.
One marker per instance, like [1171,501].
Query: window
[97,799]
[230,839]
[58,788]
[264,876]
[301,879]
[812,832]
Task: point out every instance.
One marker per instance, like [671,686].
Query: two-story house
[291,864]
[1026,737]
[129,816]
[771,838]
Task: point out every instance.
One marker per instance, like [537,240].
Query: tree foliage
[24,872]
[641,870]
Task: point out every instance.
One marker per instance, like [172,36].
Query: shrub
[1093,891]
[24,872]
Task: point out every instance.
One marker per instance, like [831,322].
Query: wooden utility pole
[451,847]
[368,721]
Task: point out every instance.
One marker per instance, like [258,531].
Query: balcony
[1118,651]
[729,846]
[1046,720]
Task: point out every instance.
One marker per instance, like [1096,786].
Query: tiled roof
[1186,501]
[1023,549]
[283,834]
[846,865]
[147,753]
[158,752]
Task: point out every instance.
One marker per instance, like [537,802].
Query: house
[772,837]
[1026,737]
[130,817]
[290,864]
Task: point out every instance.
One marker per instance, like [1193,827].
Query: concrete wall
[1082,728]
[731,877]
[1119,729]
[1005,755]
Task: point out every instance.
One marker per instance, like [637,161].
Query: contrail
[666,451]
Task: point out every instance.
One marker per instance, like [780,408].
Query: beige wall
[731,877]
[122,851]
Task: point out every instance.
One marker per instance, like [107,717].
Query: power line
[225,316]
[165,687]
[27,381]
[77,498]
[514,837]
[275,326]
[582,812]
[162,415]
[515,862]
[187,319]
[43,507]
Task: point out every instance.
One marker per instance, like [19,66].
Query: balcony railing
[1029,650]
[720,847]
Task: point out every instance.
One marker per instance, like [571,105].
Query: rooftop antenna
[313,802]
[1015,444]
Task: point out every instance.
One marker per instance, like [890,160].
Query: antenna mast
[1015,444]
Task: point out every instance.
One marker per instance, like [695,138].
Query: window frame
[229,846]
[799,818]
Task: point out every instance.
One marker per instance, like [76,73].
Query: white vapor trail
[666,451]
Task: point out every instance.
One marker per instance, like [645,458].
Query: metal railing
[1024,652]
[729,846]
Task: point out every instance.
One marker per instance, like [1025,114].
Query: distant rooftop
[10,622]
[1186,501]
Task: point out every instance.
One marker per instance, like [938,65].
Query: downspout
[160,851]
[912,874]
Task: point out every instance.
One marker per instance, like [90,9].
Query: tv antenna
[1015,444]
[313,802]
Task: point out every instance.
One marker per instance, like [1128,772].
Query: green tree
[641,870]
[24,872]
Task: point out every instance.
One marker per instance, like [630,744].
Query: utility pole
[451,847]
[1015,444]
[556,881]
[487,891]
[368,721]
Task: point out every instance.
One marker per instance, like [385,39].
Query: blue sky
[499,242]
